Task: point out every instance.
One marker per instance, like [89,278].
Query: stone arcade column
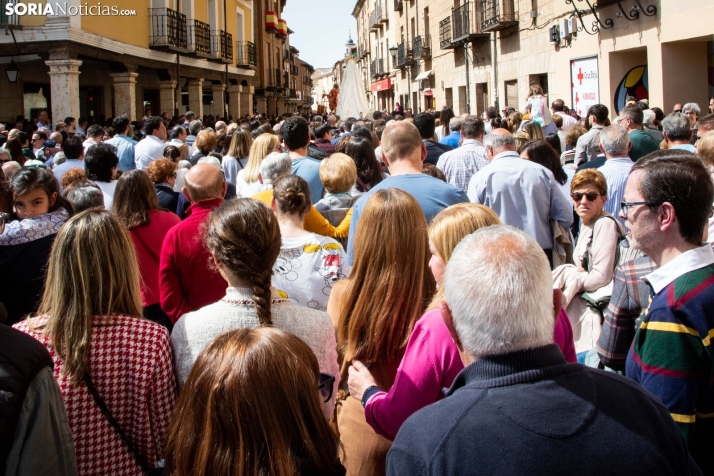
[234,102]
[262,105]
[195,97]
[246,100]
[125,94]
[64,87]
[167,90]
[219,98]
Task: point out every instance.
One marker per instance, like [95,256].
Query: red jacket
[187,278]
[148,240]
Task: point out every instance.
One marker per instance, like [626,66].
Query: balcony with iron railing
[405,55]
[222,46]
[375,18]
[398,5]
[445,33]
[422,47]
[294,70]
[245,54]
[199,38]
[498,14]
[287,55]
[376,68]
[466,23]
[168,29]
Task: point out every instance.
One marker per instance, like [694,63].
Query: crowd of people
[516,292]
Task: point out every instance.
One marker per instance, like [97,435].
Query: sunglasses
[327,381]
[591,196]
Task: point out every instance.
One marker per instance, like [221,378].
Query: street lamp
[13,72]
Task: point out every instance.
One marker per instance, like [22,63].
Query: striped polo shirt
[671,355]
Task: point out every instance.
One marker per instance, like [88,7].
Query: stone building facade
[471,54]
[208,56]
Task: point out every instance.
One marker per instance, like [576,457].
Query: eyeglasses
[677,110]
[591,196]
[4,217]
[625,205]
[327,381]
[5,161]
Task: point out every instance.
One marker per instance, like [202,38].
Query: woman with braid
[243,237]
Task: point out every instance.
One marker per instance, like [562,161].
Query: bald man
[403,152]
[523,194]
[187,281]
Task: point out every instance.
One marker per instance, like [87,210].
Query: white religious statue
[351,101]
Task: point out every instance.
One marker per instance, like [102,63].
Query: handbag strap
[146,247]
[107,414]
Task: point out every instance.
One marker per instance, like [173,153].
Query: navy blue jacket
[531,412]
[434,151]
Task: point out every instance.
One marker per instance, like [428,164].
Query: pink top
[563,336]
[431,362]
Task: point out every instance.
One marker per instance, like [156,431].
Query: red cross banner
[584,83]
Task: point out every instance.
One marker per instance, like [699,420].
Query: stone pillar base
[234,102]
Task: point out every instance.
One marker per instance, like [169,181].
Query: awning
[423,75]
[428,92]
[382,85]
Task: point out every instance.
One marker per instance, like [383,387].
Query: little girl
[25,243]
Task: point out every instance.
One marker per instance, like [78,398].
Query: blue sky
[321,29]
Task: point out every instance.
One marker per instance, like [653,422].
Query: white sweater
[195,330]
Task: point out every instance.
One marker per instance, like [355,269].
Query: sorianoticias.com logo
[64,9]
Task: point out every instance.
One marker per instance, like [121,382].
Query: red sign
[382,85]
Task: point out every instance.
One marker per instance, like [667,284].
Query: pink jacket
[430,363]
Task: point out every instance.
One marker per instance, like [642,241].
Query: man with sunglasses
[667,205]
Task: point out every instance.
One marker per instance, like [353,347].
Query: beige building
[429,53]
[217,57]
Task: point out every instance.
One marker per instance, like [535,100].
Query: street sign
[584,84]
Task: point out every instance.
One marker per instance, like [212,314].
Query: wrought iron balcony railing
[168,29]
[405,56]
[199,38]
[222,46]
[245,53]
[498,14]
[422,47]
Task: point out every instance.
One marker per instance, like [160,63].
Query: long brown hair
[135,195]
[244,236]
[251,406]
[92,272]
[390,283]
[450,226]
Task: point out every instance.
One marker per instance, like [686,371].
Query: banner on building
[584,84]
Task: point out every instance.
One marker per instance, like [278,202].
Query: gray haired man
[518,407]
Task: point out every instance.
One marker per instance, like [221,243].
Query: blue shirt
[452,139]
[432,194]
[125,151]
[616,172]
[309,169]
[523,194]
[687,147]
